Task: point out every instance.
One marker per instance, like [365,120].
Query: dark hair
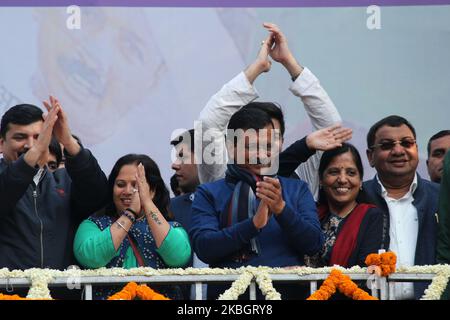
[21,114]
[154,179]
[184,136]
[391,121]
[438,135]
[249,118]
[329,155]
[55,148]
[273,110]
[174,185]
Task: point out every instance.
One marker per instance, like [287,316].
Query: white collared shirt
[403,231]
[38,176]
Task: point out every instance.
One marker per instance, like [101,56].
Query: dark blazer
[426,202]
[369,237]
[181,209]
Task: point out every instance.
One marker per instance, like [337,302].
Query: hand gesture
[61,130]
[328,138]
[262,62]
[280,51]
[270,192]
[261,216]
[146,195]
[263,55]
[38,153]
[135,204]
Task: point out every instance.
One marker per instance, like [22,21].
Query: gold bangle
[121,225]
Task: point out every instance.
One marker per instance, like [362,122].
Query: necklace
[348,212]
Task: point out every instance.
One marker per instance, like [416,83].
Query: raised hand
[135,204]
[38,153]
[156,221]
[280,51]
[262,62]
[145,193]
[270,192]
[328,138]
[61,129]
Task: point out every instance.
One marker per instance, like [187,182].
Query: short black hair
[21,114]
[438,135]
[272,109]
[329,155]
[249,118]
[391,121]
[183,137]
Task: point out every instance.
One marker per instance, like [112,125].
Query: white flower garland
[39,284]
[439,282]
[40,278]
[265,284]
[238,287]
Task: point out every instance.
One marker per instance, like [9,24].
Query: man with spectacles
[437,147]
[410,202]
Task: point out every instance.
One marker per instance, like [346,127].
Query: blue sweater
[283,241]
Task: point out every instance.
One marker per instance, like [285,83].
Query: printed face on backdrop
[100,72]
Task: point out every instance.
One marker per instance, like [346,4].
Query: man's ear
[369,154]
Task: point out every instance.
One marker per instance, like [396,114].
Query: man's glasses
[389,145]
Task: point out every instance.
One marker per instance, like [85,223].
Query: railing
[383,288]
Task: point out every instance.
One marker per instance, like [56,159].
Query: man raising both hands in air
[40,209]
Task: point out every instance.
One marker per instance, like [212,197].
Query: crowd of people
[254,205]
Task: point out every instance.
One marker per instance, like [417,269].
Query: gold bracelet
[121,225]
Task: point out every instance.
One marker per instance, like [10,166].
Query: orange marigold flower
[146,293]
[388,258]
[373,259]
[386,270]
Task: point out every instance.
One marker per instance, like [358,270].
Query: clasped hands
[270,192]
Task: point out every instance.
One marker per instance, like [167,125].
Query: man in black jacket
[40,210]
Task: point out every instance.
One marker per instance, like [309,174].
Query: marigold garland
[343,283]
[385,261]
[132,290]
[11,297]
[17,297]
[41,278]
[144,292]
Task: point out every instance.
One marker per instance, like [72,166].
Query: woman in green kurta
[133,229]
[443,238]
